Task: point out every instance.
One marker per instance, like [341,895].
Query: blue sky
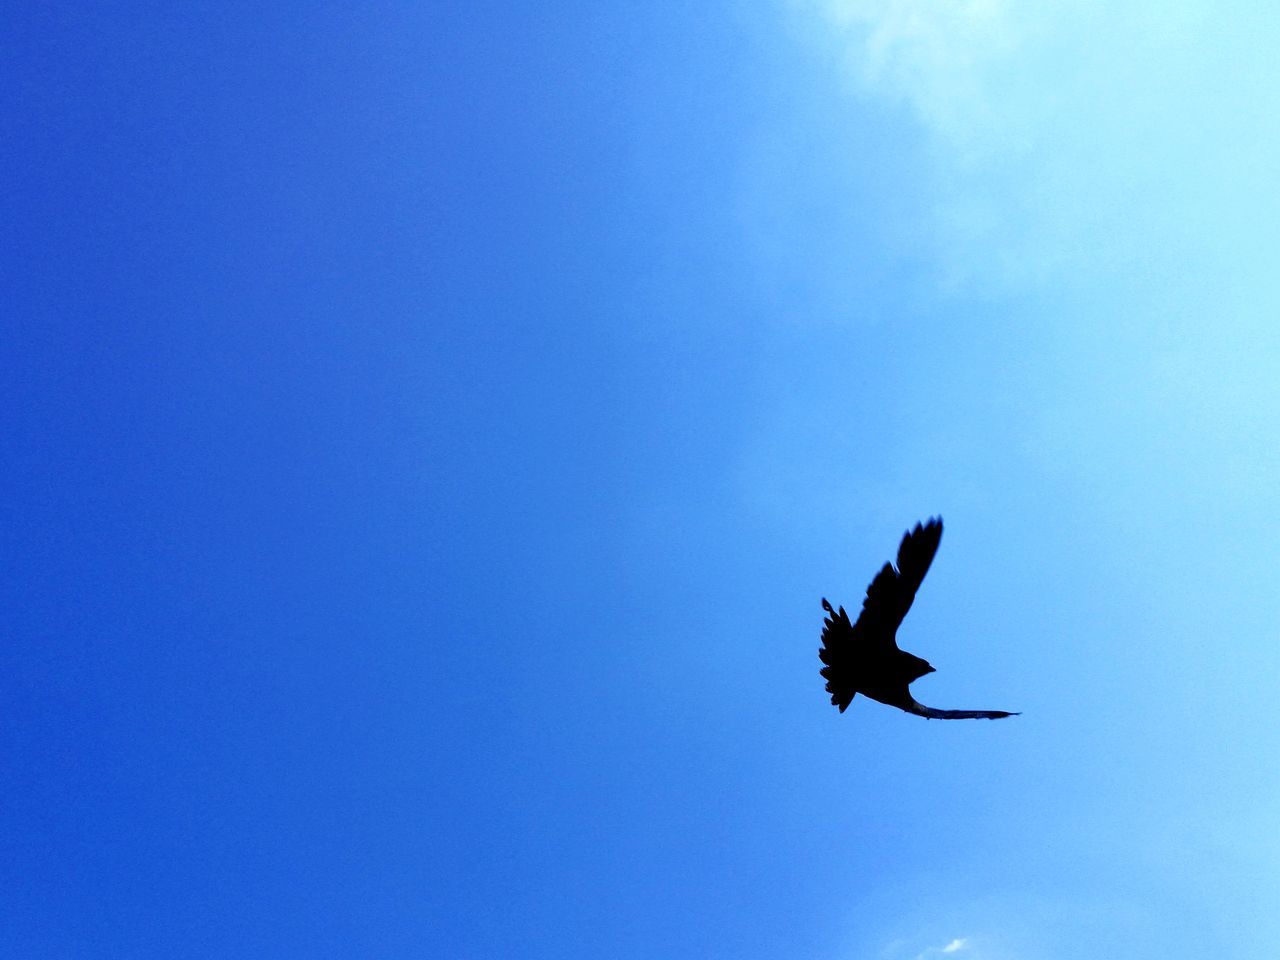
[428,432]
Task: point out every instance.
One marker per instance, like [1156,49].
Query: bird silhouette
[863,657]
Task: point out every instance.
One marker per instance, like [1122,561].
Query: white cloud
[955,946]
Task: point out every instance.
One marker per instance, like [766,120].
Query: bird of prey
[863,657]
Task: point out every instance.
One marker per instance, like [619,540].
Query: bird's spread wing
[887,601]
[933,713]
[891,593]
[915,554]
[839,646]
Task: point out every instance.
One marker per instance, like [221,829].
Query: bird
[863,656]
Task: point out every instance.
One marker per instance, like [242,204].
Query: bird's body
[863,656]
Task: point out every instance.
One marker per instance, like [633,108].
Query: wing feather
[891,593]
[933,713]
[836,653]
[915,555]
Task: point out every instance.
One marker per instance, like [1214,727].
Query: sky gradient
[428,431]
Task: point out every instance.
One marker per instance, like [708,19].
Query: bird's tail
[933,713]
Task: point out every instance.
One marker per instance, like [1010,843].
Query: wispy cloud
[936,56]
[1066,135]
[1112,166]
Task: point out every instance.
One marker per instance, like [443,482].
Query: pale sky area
[429,431]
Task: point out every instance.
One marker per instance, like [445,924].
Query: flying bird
[863,657]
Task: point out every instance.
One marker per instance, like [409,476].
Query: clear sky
[428,430]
